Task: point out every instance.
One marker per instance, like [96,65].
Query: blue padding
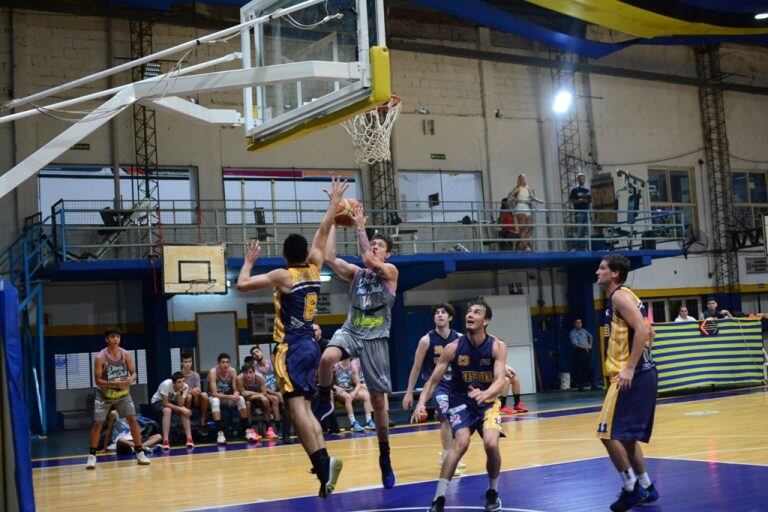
[9,336]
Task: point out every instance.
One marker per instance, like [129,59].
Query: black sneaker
[388,479]
[438,505]
[628,499]
[492,500]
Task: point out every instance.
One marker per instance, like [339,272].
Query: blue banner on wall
[714,353]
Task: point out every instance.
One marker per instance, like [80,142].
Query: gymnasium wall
[489,117]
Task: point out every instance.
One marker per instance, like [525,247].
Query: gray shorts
[102,406]
[374,358]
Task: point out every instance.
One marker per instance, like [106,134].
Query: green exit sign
[437,156]
[81,146]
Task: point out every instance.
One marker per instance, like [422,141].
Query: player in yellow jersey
[628,410]
[296,291]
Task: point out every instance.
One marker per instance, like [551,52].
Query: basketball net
[371,132]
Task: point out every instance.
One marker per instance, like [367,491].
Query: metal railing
[81,228]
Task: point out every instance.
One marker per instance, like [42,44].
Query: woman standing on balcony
[523,198]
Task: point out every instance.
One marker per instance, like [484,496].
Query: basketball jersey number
[310,306]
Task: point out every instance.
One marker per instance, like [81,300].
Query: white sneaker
[142,459]
[250,434]
[461,465]
[443,453]
[91,464]
[220,439]
[112,447]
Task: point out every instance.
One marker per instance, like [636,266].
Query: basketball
[424,416]
[343,215]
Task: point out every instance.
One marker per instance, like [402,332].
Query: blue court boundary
[242,445]
[583,485]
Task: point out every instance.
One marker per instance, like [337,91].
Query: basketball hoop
[371,132]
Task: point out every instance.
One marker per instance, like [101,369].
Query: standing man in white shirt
[682,315]
[168,399]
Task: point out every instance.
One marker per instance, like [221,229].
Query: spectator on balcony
[581,199]
[507,226]
[713,311]
[523,198]
[683,316]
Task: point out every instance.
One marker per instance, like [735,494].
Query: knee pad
[215,404]
[240,403]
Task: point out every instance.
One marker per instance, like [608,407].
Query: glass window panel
[680,187]
[659,311]
[60,361]
[739,186]
[78,371]
[175,360]
[140,357]
[674,308]
[460,191]
[657,185]
[415,186]
[693,307]
[742,215]
[757,191]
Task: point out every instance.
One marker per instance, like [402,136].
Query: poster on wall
[261,321]
[324,304]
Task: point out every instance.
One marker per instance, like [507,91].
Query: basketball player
[196,396]
[298,355]
[168,399]
[265,368]
[349,389]
[114,371]
[251,387]
[628,410]
[224,393]
[427,355]
[477,363]
[513,385]
[365,333]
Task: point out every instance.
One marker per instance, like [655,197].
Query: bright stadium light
[761,16]
[562,102]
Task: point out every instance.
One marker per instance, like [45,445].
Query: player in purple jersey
[427,355]
[477,361]
[295,292]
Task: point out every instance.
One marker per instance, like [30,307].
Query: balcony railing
[88,230]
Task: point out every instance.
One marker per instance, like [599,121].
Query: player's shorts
[477,418]
[102,406]
[627,414]
[440,400]
[374,358]
[296,365]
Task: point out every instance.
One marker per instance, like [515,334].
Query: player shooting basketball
[296,291]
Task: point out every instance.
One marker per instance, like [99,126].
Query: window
[282,189]
[439,196]
[75,371]
[673,189]
[750,197]
[666,310]
[95,186]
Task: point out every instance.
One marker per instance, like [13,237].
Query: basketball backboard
[194,269]
[332,33]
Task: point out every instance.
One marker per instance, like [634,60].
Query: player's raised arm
[418,359]
[449,352]
[344,270]
[279,278]
[338,187]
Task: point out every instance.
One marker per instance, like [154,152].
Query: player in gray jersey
[365,333]
[114,371]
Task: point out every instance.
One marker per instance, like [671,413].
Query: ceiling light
[761,16]
[562,102]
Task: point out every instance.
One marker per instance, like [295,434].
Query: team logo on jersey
[438,349]
[463,360]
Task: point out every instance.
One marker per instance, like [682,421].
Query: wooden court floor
[729,427]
